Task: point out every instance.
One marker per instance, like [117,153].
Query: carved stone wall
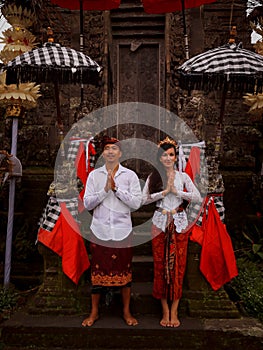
[209,27]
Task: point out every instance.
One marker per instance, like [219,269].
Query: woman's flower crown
[168,141]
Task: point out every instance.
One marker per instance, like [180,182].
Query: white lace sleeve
[192,194]
[148,198]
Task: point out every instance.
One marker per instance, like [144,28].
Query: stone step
[207,304]
[25,331]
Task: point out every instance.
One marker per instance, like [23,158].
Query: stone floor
[24,331]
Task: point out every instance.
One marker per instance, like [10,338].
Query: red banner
[65,240]
[217,263]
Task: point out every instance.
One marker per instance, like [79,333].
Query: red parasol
[162,6]
[150,6]
[87,5]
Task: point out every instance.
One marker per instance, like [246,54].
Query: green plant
[248,287]
[253,233]
[8,299]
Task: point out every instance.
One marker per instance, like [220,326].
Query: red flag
[65,240]
[162,6]
[83,166]
[193,165]
[197,234]
[80,164]
[217,263]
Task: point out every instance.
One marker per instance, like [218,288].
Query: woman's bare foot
[166,312]
[130,320]
[174,321]
[165,321]
[89,321]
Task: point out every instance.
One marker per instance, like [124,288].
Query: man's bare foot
[89,321]
[130,320]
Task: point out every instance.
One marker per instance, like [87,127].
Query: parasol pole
[10,222]
[81,43]
[60,124]
[221,118]
[185,32]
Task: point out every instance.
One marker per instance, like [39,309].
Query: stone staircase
[52,319]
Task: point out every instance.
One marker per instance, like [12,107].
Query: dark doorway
[138,66]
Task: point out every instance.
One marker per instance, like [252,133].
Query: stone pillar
[57,294]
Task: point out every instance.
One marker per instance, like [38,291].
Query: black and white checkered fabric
[74,148]
[53,63]
[242,69]
[50,215]
[185,150]
[195,211]
[218,200]
[52,211]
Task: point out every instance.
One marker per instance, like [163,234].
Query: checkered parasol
[226,68]
[53,63]
[241,69]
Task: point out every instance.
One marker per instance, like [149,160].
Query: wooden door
[137,60]
[138,76]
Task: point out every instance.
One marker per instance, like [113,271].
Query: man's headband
[106,140]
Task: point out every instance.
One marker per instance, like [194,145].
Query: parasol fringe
[209,82]
[46,75]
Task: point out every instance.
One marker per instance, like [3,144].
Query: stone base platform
[24,331]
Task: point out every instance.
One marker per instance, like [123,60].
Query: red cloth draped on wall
[217,261]
[65,239]
[193,164]
[83,165]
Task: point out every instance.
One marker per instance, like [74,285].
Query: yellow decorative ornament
[17,40]
[19,16]
[24,95]
[255,102]
[258,46]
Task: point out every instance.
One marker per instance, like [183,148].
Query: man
[112,191]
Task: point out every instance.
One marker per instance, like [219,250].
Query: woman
[170,189]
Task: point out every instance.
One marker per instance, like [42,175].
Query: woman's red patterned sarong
[170,256]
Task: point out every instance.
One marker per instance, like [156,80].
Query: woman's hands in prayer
[170,185]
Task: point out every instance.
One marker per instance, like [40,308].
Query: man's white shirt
[112,210]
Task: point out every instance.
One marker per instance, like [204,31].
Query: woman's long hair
[158,178]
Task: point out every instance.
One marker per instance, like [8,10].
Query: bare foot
[89,321]
[165,321]
[130,320]
[174,322]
